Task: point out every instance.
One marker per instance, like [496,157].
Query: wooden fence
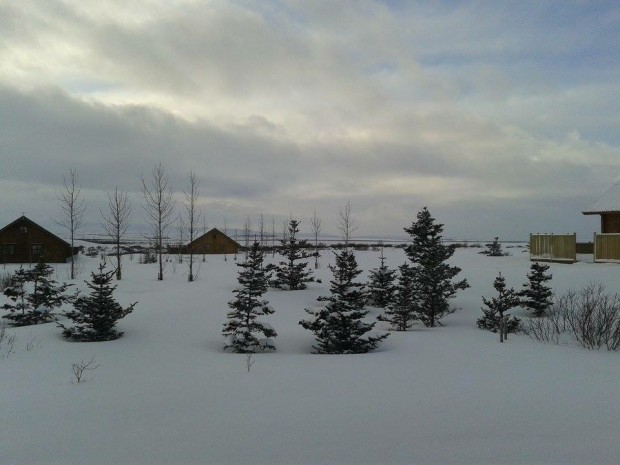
[553,247]
[607,247]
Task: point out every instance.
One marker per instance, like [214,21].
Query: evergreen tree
[292,274]
[35,295]
[403,310]
[95,315]
[338,326]
[16,291]
[494,249]
[243,331]
[381,286]
[496,308]
[432,275]
[536,295]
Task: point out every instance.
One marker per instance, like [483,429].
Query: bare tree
[261,230]
[159,208]
[192,216]
[247,230]
[315,221]
[73,208]
[273,237]
[346,225]
[116,221]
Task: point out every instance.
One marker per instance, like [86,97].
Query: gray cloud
[493,117]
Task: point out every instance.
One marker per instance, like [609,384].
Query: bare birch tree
[346,225]
[159,208]
[261,230]
[192,216]
[116,221]
[315,221]
[73,208]
[247,230]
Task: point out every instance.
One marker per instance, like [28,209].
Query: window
[9,249]
[37,249]
[23,229]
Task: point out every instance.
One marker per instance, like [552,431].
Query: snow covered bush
[338,325]
[95,315]
[244,332]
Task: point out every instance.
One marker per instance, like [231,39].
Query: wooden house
[24,241]
[608,206]
[214,242]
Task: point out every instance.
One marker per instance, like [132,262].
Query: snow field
[165,393]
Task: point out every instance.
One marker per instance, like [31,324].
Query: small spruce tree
[35,295]
[338,325]
[402,311]
[95,315]
[292,274]
[495,309]
[494,249]
[381,286]
[243,331]
[535,295]
[432,275]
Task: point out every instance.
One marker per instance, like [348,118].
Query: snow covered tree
[495,309]
[432,275]
[292,274]
[402,311]
[381,286]
[95,315]
[494,249]
[536,295]
[338,325]
[35,295]
[243,331]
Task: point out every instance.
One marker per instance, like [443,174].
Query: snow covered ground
[165,393]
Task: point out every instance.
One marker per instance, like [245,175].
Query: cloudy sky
[502,117]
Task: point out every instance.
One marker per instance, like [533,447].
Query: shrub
[589,316]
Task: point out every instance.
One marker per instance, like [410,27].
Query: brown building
[608,206]
[24,241]
[214,242]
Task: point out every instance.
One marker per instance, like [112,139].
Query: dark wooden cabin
[608,206]
[24,241]
[213,242]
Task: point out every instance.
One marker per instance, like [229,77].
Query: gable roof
[608,203]
[212,231]
[24,218]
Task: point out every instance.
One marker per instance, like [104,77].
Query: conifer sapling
[338,325]
[432,275]
[243,331]
[495,309]
[95,315]
[535,295]
[402,311]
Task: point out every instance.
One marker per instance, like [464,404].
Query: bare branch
[159,208]
[116,221]
[73,208]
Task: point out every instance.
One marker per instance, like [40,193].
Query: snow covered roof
[608,203]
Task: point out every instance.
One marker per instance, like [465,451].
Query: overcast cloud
[501,117]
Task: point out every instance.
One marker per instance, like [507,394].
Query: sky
[501,117]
